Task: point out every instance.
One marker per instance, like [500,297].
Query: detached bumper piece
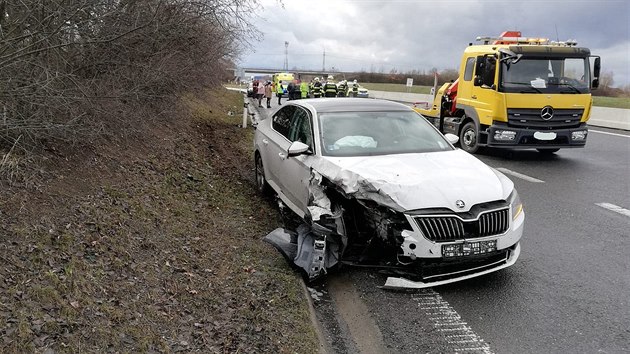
[310,248]
[458,272]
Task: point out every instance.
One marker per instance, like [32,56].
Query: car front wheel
[468,138]
[261,182]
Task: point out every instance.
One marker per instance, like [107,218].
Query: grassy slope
[614,102]
[162,252]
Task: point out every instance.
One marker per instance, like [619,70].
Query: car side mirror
[452,138]
[297,148]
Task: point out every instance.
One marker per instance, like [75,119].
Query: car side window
[281,121]
[301,127]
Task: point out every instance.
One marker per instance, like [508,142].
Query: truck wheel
[468,138]
[261,182]
[547,151]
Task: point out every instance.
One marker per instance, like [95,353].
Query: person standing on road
[304,89]
[330,89]
[354,88]
[268,93]
[343,87]
[260,93]
[291,90]
[279,92]
[317,88]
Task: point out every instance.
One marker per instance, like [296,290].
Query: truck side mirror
[597,66]
[595,83]
[480,69]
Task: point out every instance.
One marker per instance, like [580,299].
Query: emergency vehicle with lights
[519,93]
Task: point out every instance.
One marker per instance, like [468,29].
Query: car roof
[347,104]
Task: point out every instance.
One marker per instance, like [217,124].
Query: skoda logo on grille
[460,204]
[546,113]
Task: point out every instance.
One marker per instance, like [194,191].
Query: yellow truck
[518,93]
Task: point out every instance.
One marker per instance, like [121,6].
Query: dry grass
[161,250]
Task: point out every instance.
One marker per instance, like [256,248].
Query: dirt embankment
[149,244]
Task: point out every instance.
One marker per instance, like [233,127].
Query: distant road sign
[409,81]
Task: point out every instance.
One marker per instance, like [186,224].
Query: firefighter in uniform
[343,87]
[354,89]
[330,89]
[317,88]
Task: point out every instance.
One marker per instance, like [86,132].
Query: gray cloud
[406,35]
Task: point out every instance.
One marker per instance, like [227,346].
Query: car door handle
[282,155]
[265,141]
[474,97]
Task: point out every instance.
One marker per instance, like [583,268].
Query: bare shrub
[69,68]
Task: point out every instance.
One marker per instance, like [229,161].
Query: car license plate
[544,136]
[469,248]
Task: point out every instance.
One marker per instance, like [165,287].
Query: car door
[276,144]
[297,169]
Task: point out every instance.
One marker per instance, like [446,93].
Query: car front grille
[445,228]
[530,118]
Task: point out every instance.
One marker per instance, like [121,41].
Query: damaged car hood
[406,182]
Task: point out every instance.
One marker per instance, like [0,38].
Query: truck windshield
[546,75]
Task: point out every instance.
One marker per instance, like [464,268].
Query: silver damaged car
[372,183]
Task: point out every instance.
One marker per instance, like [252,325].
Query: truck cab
[519,93]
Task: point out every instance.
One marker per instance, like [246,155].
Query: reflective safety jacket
[317,89]
[330,88]
[304,89]
[343,88]
[279,89]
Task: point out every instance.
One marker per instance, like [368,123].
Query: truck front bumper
[500,135]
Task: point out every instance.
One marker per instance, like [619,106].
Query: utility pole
[324,63]
[286,56]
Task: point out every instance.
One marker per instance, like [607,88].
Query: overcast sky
[414,34]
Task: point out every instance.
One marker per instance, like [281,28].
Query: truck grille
[445,228]
[530,118]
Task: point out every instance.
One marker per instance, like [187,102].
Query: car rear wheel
[547,151]
[468,138]
[261,181]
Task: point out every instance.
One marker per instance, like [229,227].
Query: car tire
[468,138]
[548,151]
[259,172]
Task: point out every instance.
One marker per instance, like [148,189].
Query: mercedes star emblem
[546,113]
[460,204]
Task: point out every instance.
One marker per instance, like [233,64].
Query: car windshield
[540,75]
[378,133]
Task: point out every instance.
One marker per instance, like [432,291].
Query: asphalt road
[568,293]
[570,290]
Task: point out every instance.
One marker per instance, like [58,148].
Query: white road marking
[607,133]
[613,207]
[456,332]
[520,175]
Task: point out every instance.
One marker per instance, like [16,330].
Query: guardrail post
[245,111]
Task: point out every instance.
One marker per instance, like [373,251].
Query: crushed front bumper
[511,255]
